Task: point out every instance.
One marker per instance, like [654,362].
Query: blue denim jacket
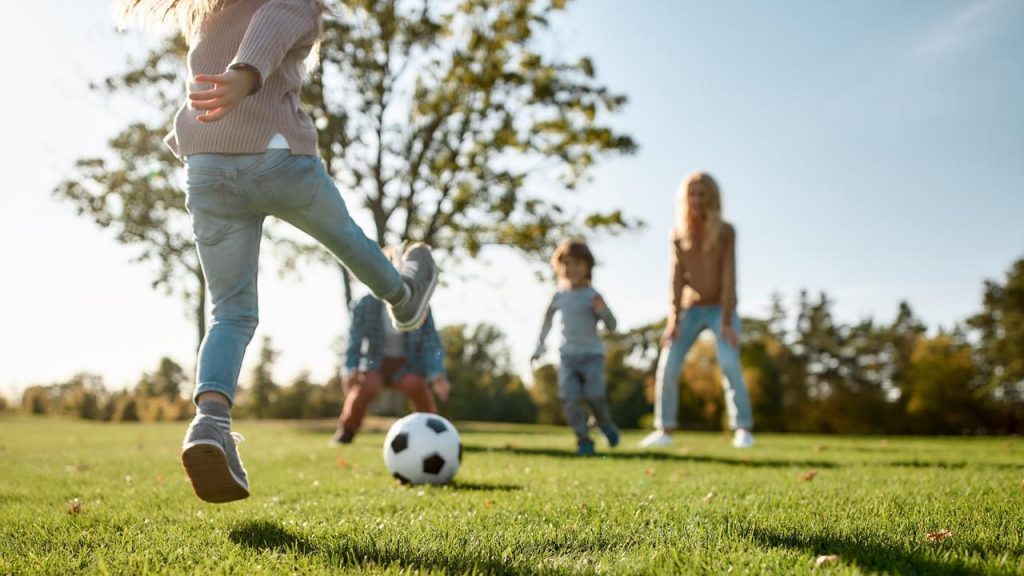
[424,353]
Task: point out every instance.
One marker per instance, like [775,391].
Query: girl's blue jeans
[691,323]
[229,195]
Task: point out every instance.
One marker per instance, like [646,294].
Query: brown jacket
[702,278]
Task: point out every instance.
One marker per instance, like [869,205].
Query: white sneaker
[742,438]
[656,438]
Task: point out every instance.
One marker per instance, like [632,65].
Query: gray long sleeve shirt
[579,322]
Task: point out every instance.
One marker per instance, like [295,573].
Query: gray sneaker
[211,462]
[419,272]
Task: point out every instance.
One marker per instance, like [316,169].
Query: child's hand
[730,335]
[229,89]
[671,331]
[598,303]
[441,387]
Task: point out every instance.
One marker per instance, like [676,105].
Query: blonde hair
[186,14]
[712,229]
[575,248]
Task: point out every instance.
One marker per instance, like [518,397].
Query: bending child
[581,370]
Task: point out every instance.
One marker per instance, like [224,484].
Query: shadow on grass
[482,487]
[868,556]
[658,456]
[266,535]
[951,465]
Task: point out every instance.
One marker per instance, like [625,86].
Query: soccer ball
[423,448]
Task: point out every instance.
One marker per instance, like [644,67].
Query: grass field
[77,497]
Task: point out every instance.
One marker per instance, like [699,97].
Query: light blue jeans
[581,381]
[692,322]
[229,195]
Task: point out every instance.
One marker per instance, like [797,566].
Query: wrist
[251,73]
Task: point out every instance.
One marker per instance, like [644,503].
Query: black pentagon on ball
[436,425]
[401,442]
[432,464]
[460,452]
[401,478]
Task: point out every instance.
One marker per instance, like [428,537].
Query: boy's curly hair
[572,248]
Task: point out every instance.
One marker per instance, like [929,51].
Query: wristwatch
[255,71]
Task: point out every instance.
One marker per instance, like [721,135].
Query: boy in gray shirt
[581,371]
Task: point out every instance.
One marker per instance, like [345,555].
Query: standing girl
[249,152]
[581,370]
[703,295]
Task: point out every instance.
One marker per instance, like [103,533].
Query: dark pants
[368,384]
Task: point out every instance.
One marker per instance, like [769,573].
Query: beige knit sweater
[274,36]
[704,278]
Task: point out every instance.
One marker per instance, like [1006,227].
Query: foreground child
[581,371]
[250,152]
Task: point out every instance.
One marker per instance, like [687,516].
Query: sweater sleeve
[677,272]
[546,327]
[607,317]
[277,27]
[728,295]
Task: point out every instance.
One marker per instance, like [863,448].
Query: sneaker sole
[207,469]
[421,313]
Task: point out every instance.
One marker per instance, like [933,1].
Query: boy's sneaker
[342,436]
[585,448]
[419,272]
[211,461]
[611,434]
[742,438]
[656,438]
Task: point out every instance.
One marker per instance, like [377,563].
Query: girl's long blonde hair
[186,14]
[686,225]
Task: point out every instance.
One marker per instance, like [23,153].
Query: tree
[484,386]
[165,382]
[448,111]
[136,190]
[942,387]
[544,395]
[1000,330]
[439,117]
[761,355]
[298,400]
[262,393]
[630,361]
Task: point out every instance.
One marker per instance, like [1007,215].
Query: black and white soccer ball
[423,448]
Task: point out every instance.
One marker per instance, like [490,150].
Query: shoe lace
[238,438]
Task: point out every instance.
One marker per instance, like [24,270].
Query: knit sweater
[704,278]
[275,37]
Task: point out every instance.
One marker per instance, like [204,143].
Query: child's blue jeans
[581,381]
[229,195]
[693,321]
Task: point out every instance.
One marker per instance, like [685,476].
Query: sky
[871,150]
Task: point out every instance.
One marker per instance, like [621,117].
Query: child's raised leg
[299,190]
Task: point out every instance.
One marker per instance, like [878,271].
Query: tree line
[806,372]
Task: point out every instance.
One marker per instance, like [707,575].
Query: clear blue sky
[874,150]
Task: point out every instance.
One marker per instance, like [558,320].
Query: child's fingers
[212,116]
[206,94]
[210,78]
[207,104]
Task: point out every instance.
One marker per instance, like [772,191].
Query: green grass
[522,504]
